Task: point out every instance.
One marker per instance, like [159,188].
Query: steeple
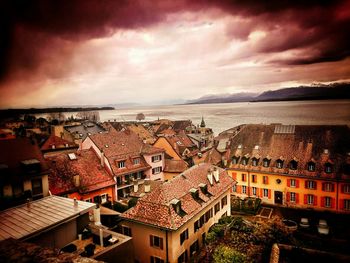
[202,123]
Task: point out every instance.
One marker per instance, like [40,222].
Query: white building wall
[161,163]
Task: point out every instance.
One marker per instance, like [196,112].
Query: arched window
[255,161]
[245,160]
[311,166]
[235,159]
[279,164]
[266,162]
[293,165]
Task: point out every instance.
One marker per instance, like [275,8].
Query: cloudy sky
[58,53]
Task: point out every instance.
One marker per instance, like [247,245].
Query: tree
[140,116]
[225,254]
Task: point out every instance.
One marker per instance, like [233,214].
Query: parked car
[304,223]
[322,227]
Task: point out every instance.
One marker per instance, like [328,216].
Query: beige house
[170,223]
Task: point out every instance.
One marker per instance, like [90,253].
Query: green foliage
[225,220]
[210,237]
[218,230]
[225,254]
[120,207]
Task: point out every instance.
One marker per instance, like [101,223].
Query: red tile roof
[211,156]
[58,143]
[175,166]
[156,209]
[87,166]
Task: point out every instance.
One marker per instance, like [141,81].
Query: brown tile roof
[142,132]
[141,188]
[175,166]
[180,143]
[13,152]
[58,143]
[124,146]
[87,166]
[181,125]
[211,156]
[301,142]
[156,209]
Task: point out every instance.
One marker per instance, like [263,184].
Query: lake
[223,116]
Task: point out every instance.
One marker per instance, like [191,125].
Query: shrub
[225,254]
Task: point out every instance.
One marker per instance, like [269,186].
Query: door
[278,197]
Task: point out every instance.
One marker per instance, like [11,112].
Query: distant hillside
[314,92]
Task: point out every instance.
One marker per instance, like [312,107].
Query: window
[327,187]
[37,187]
[254,190]
[156,241]
[310,185]
[266,162]
[88,200]
[235,159]
[121,164]
[196,226]
[224,201]
[208,214]
[126,231]
[183,257]
[265,179]
[156,260]
[311,167]
[244,177]
[194,248]
[156,158]
[346,188]
[183,236]
[347,204]
[234,188]
[293,183]
[293,165]
[245,160]
[104,198]
[310,199]
[17,190]
[279,164]
[217,208]
[292,197]
[327,201]
[201,221]
[254,178]
[255,161]
[136,161]
[328,168]
[244,189]
[266,192]
[157,170]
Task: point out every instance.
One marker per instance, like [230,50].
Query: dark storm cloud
[33,31]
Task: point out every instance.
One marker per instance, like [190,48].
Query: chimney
[102,158]
[147,186]
[136,186]
[325,155]
[53,146]
[210,176]
[97,216]
[216,174]
[28,203]
[75,202]
[76,179]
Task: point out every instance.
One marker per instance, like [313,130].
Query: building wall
[161,163]
[141,234]
[108,190]
[168,176]
[285,188]
[164,144]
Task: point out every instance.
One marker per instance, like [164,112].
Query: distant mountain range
[313,92]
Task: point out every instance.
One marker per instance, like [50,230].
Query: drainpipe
[166,246]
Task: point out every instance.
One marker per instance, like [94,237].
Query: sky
[84,52]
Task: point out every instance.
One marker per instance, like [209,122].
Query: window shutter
[288,182]
[261,192]
[269,193]
[296,198]
[160,157]
[305,199]
[297,183]
[323,186]
[151,240]
[306,184]
[315,185]
[152,159]
[315,200]
[288,196]
[342,188]
[332,202]
[234,176]
[161,243]
[332,187]
[238,189]
[323,201]
[267,180]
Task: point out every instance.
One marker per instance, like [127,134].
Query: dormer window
[195,193]
[328,168]
[279,164]
[136,161]
[245,160]
[311,166]
[176,203]
[266,162]
[255,161]
[235,159]
[121,164]
[204,189]
[293,165]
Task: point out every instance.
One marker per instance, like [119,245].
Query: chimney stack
[75,202]
[97,216]
[136,186]
[210,176]
[147,186]
[76,179]
[216,174]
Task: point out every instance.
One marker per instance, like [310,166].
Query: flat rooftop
[21,222]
